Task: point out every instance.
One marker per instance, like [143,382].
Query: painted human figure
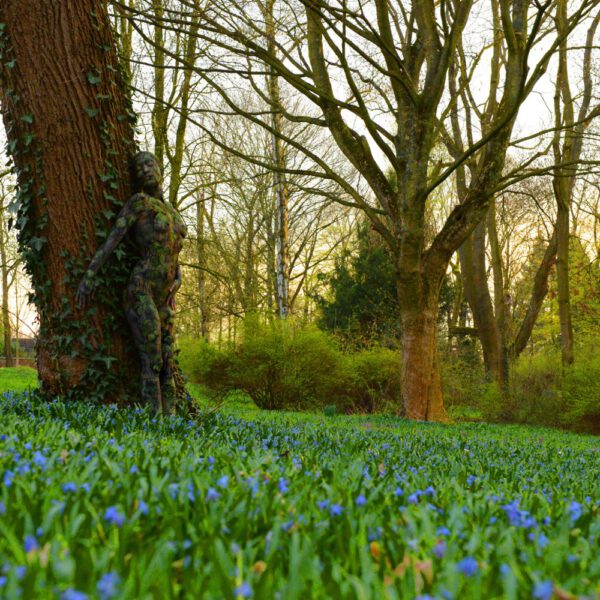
[157,230]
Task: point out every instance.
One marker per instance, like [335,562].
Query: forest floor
[101,503]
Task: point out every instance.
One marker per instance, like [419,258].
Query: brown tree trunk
[8,355]
[421,386]
[473,268]
[538,293]
[66,116]
[562,272]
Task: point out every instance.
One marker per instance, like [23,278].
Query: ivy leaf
[11,64]
[37,243]
[27,118]
[109,214]
[91,112]
[94,77]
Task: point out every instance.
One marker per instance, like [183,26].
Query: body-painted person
[158,231]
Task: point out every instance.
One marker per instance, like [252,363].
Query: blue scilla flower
[323,504]
[108,586]
[398,491]
[575,511]
[336,510]
[69,487]
[442,531]
[439,549]
[173,490]
[467,566]
[282,486]
[244,590]
[143,507]
[30,544]
[27,446]
[72,594]
[3,580]
[113,516]
[413,498]
[543,590]
[8,478]
[223,481]
[39,459]
[361,500]
[133,469]
[212,495]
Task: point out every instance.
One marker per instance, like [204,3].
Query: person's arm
[125,219]
[174,287]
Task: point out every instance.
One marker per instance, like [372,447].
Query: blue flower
[244,590]
[30,544]
[322,504]
[467,566]
[39,459]
[108,585]
[8,478]
[361,500]
[398,491]
[575,511]
[282,486]
[336,510]
[212,495]
[442,531]
[471,479]
[439,549]
[113,516]
[3,580]
[223,481]
[71,594]
[69,487]
[413,498]
[543,590]
[133,469]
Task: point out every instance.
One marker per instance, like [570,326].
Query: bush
[376,378]
[286,366]
[205,363]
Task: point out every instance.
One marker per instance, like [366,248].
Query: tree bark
[538,293]
[7,330]
[67,120]
[473,268]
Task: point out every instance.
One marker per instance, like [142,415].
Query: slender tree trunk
[500,298]
[538,293]
[473,268]
[201,258]
[186,86]
[71,146]
[562,275]
[8,355]
[160,111]
[279,180]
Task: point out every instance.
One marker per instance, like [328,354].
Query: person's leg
[167,384]
[144,322]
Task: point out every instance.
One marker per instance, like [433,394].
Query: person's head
[147,173]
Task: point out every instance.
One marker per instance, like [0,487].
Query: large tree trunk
[67,120]
[421,386]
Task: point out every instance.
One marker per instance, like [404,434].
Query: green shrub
[284,365]
[376,378]
[205,363]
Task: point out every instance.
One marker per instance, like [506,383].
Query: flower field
[101,503]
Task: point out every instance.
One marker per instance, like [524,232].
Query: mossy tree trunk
[68,123]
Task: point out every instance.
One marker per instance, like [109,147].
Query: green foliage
[375,380]
[286,365]
[291,506]
[362,304]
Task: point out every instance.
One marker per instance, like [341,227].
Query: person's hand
[85,292]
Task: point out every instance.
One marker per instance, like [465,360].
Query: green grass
[17,379]
[116,504]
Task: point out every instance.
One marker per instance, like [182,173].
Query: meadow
[106,503]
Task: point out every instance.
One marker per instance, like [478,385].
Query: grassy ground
[101,503]
[17,378]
